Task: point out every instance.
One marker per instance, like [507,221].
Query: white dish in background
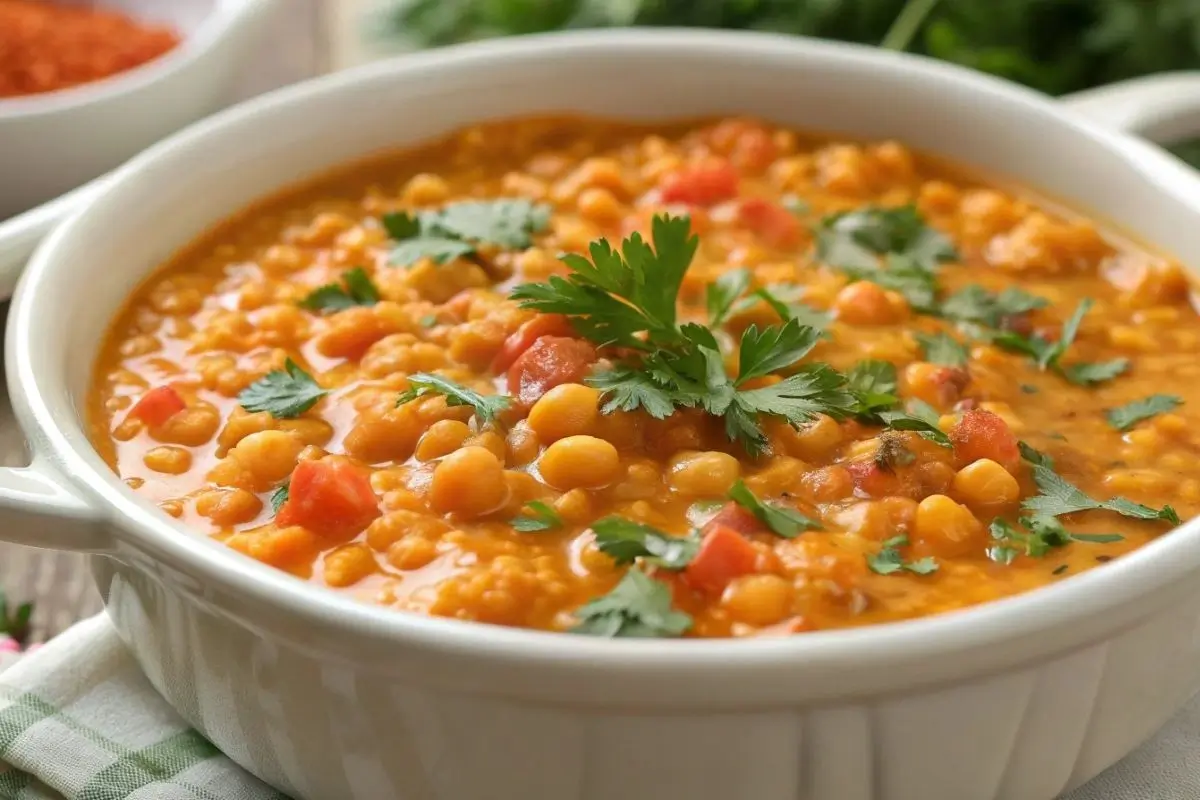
[52,143]
[325,697]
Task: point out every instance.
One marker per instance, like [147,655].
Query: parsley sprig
[485,406]
[942,348]
[787,523]
[626,540]
[460,228]
[638,607]
[355,289]
[284,393]
[1125,417]
[628,298]
[1058,496]
[1042,534]
[889,559]
[541,517]
[855,240]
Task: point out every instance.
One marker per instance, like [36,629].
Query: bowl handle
[39,509]
[1163,108]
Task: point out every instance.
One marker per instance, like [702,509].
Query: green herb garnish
[638,607]
[723,293]
[356,289]
[486,406]
[1041,536]
[975,304]
[280,496]
[941,348]
[854,240]
[889,559]
[457,229]
[1060,497]
[920,417]
[1089,374]
[785,522]
[1125,417]
[284,393]
[626,540]
[541,517]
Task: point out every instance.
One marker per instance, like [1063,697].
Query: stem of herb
[907,24]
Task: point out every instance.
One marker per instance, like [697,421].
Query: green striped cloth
[78,721]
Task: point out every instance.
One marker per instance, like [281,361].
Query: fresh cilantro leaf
[1070,330]
[437,248]
[280,496]
[853,240]
[626,540]
[624,389]
[1085,374]
[784,301]
[889,559]
[486,406]
[785,522]
[617,296]
[1027,388]
[920,417]
[1060,497]
[1041,536]
[638,607]
[1035,456]
[941,348]
[797,399]
[542,517]
[356,289]
[457,229]
[975,304]
[905,276]
[1125,417]
[873,381]
[773,348]
[723,293]
[284,393]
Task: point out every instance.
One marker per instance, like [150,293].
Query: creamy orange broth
[443,489]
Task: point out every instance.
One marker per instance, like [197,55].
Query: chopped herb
[280,496]
[1060,497]
[486,406]
[541,517]
[284,393]
[1125,417]
[904,276]
[854,240]
[941,348]
[356,289]
[1028,388]
[1035,456]
[1060,569]
[975,304]
[626,540]
[920,417]
[639,607]
[459,228]
[873,384]
[628,298]
[1089,374]
[786,522]
[889,560]
[1043,535]
[428,321]
[784,299]
[723,294]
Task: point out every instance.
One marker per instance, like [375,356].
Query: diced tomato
[523,338]
[777,226]
[330,497]
[702,184]
[157,406]
[734,516]
[724,555]
[982,434]
[748,143]
[873,480]
[551,361]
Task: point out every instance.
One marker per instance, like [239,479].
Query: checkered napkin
[79,722]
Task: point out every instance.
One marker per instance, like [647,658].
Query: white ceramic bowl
[54,142]
[331,700]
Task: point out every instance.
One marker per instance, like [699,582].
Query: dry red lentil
[412,505]
[45,46]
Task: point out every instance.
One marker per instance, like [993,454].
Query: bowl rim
[1031,625]
[219,20]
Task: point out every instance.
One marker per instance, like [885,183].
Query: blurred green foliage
[1056,46]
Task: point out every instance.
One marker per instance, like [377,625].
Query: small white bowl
[52,143]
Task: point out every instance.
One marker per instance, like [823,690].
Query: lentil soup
[778,384]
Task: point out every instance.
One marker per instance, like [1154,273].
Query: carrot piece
[982,434]
[524,337]
[157,406]
[724,555]
[701,185]
[330,497]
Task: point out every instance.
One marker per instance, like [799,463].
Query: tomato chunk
[157,406]
[746,142]
[982,434]
[523,338]
[777,226]
[701,185]
[734,516]
[551,361]
[724,555]
[330,497]
[873,480]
